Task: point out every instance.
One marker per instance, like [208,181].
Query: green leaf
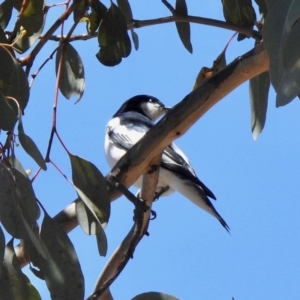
[20,88]
[154,296]
[239,12]
[18,208]
[126,10]
[91,187]
[183,28]
[93,19]
[9,213]
[113,37]
[259,91]
[13,283]
[5,12]
[31,24]
[61,270]
[205,72]
[280,33]
[91,226]
[135,39]
[2,249]
[72,71]
[30,147]
[16,164]
[8,114]
[13,81]
[263,9]
[33,293]
[80,10]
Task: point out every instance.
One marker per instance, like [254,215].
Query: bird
[128,125]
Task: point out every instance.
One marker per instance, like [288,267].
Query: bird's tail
[196,194]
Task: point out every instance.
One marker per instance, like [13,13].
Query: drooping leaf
[113,37]
[2,249]
[31,24]
[239,12]
[16,164]
[13,284]
[279,35]
[8,114]
[33,293]
[13,81]
[5,12]
[9,213]
[258,92]
[183,28]
[278,24]
[72,72]
[263,9]
[4,40]
[90,226]
[135,39]
[30,147]
[91,187]
[289,86]
[93,19]
[154,296]
[61,270]
[20,88]
[206,72]
[18,208]
[80,10]
[126,10]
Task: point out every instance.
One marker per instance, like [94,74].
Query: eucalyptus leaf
[135,39]
[126,10]
[239,12]
[13,283]
[276,30]
[8,114]
[258,92]
[90,225]
[9,213]
[91,187]
[72,80]
[16,164]
[61,270]
[31,23]
[154,296]
[33,293]
[101,240]
[113,37]
[5,12]
[183,28]
[205,72]
[263,9]
[30,147]
[2,249]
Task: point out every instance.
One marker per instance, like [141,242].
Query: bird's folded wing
[174,160]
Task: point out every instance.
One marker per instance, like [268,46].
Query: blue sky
[188,254]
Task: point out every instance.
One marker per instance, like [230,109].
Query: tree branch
[173,125]
[121,256]
[176,18]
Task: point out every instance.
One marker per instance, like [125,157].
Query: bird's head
[146,105]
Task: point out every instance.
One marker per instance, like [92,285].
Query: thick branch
[176,123]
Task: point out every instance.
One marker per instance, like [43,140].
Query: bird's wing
[128,130]
[174,160]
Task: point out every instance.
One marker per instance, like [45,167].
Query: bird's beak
[166,109]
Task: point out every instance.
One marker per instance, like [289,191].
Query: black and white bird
[129,124]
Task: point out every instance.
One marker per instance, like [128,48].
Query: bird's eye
[151,100]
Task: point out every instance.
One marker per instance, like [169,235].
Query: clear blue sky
[188,254]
